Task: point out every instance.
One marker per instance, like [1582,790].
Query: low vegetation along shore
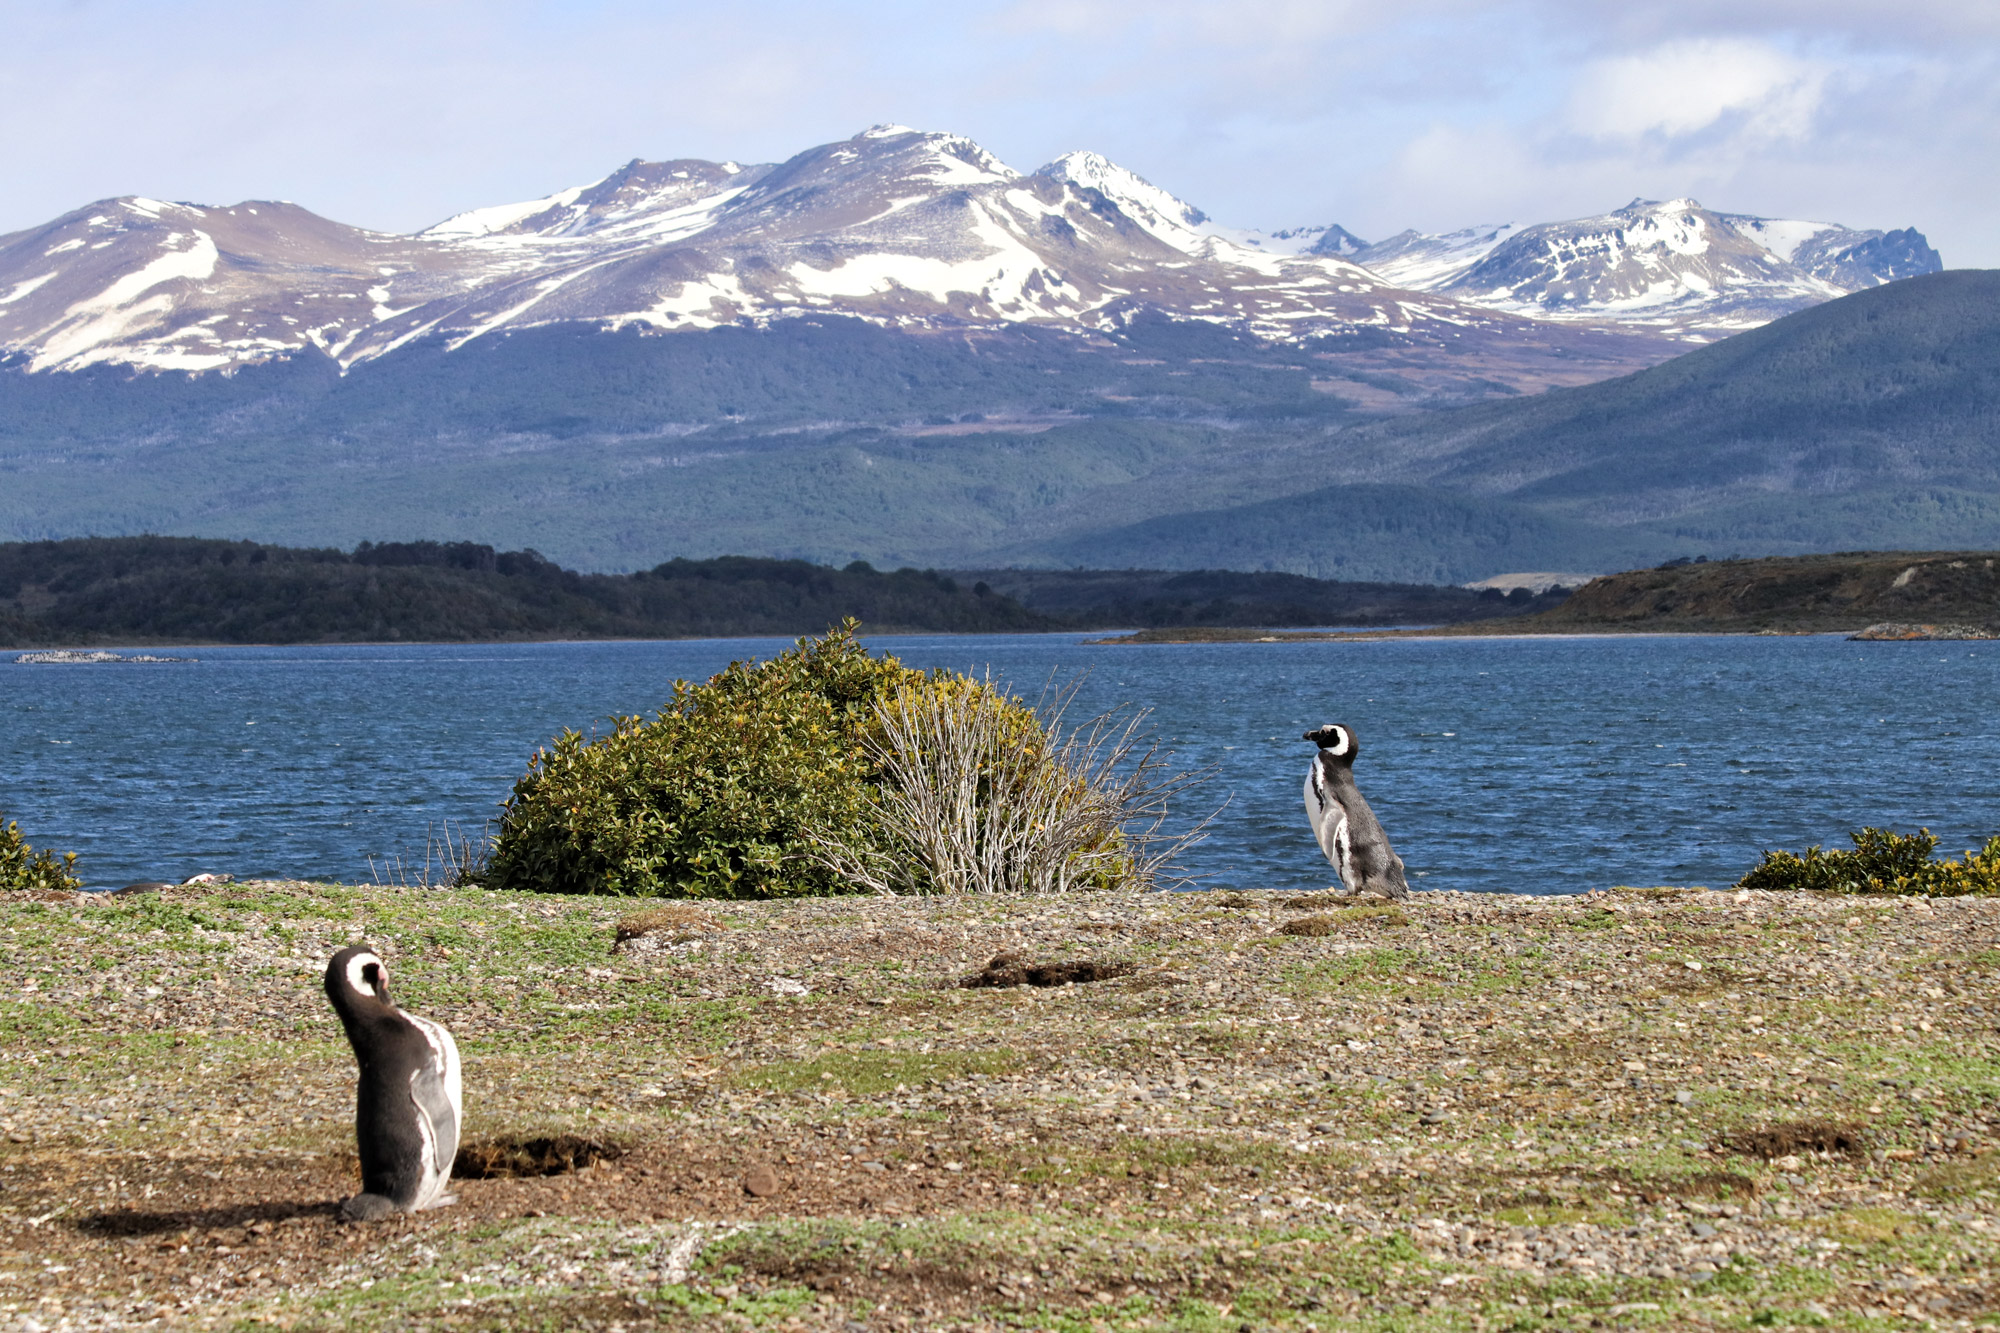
[1650,1108]
[1887,595]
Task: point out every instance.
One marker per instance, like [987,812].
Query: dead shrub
[665,920]
[982,795]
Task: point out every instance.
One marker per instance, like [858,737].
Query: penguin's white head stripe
[367,975]
[1335,739]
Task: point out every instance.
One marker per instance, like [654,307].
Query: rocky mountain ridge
[1671,265]
[906,229]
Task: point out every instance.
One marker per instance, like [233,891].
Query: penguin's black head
[358,975]
[1336,740]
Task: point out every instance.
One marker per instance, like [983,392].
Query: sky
[1374,114]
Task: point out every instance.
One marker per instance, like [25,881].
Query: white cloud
[1379,114]
[1683,87]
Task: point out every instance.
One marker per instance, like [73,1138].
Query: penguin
[409,1104]
[1346,828]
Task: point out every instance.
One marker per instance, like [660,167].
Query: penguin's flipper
[369,1208]
[438,1092]
[435,1089]
[1342,852]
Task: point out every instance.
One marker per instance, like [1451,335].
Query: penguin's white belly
[437,1092]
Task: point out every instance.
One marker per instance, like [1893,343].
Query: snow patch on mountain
[1427,262]
[24,287]
[91,329]
[1782,237]
[500,217]
[1171,218]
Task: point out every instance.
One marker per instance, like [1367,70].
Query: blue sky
[1377,114]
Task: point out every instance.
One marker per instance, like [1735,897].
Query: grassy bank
[1485,1112]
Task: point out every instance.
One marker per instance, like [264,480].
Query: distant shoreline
[1145,639]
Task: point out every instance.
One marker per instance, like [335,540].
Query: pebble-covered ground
[1652,1108]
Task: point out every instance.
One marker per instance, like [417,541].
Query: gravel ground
[1643,1108]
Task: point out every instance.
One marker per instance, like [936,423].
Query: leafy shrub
[711,797]
[1882,862]
[22,868]
[826,770]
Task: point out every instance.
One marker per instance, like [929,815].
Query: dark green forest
[1170,599]
[159,590]
[138,590]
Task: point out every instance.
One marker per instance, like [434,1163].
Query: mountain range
[1672,265]
[905,229]
[1872,421]
[898,349]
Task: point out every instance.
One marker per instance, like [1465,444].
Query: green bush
[829,771]
[1882,862]
[23,868]
[715,796]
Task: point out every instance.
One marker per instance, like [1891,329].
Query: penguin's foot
[369,1208]
[441,1201]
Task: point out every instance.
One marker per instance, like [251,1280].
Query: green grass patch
[870,1073]
[1960,1180]
[1869,1226]
[1368,969]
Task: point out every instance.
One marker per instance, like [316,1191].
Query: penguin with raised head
[1347,829]
[409,1104]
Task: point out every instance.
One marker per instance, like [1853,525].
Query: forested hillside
[136,590]
[1160,598]
[148,590]
[1872,421]
[1848,591]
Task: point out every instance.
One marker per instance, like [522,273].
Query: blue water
[1527,765]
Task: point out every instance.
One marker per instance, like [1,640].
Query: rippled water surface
[1531,765]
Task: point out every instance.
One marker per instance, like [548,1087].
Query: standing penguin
[409,1104]
[1346,828]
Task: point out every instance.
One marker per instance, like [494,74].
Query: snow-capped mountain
[1422,261]
[902,228]
[899,227]
[1673,265]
